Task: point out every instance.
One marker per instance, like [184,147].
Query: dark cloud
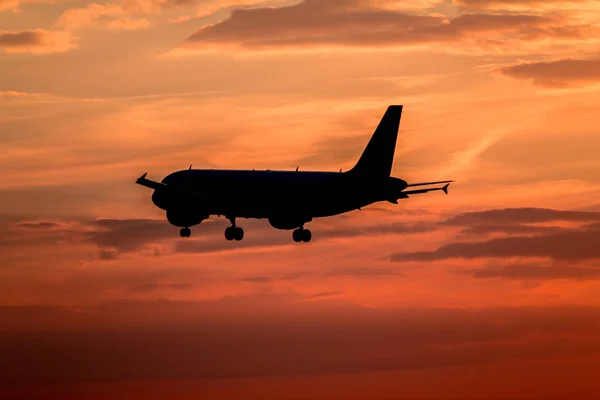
[36,41]
[15,234]
[577,244]
[127,235]
[558,243]
[114,237]
[38,225]
[323,294]
[275,335]
[365,272]
[561,73]
[478,230]
[537,272]
[361,23]
[18,39]
[155,286]
[516,221]
[257,279]
[530,215]
[484,4]
[108,255]
[260,234]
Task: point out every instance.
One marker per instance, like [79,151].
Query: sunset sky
[489,292]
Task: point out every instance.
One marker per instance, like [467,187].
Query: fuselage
[267,194]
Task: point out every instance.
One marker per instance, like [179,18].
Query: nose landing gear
[185,232]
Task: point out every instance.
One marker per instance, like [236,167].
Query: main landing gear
[301,235]
[185,232]
[234,232]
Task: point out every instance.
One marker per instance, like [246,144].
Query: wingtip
[445,188]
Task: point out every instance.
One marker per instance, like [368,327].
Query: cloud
[156,286]
[37,41]
[115,237]
[257,279]
[557,74]
[365,272]
[557,243]
[531,236]
[78,18]
[13,5]
[19,234]
[119,15]
[362,24]
[517,221]
[323,294]
[524,215]
[491,3]
[537,272]
[129,235]
[129,24]
[518,4]
[276,335]
[39,225]
[260,234]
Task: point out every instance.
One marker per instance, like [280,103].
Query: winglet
[445,188]
[141,178]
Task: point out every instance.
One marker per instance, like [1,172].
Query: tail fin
[378,156]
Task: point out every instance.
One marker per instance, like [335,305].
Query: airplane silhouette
[288,199]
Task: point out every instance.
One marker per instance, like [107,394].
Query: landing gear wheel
[297,235]
[229,233]
[306,235]
[185,232]
[301,235]
[234,233]
[238,233]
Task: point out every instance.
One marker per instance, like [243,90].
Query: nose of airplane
[160,199]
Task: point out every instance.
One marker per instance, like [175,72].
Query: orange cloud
[560,73]
[37,41]
[523,272]
[129,24]
[520,4]
[78,18]
[13,5]
[119,13]
[358,23]
[488,3]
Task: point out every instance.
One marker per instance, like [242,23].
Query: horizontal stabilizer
[428,183]
[418,191]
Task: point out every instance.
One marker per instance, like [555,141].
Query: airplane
[287,199]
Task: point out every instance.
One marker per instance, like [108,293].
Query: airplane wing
[162,186]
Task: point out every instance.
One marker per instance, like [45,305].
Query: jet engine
[185,218]
[288,222]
